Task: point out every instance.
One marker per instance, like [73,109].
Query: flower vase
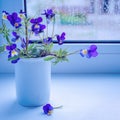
[33,77]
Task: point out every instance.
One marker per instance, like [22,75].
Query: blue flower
[36,20]
[48,109]
[21,14]
[11,47]
[49,14]
[61,38]
[12,52]
[47,40]
[4,15]
[14,20]
[16,36]
[37,27]
[91,52]
[15,61]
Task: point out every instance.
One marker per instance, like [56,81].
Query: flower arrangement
[22,29]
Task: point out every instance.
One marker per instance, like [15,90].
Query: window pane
[82,19]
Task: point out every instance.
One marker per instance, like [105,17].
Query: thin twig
[47,28]
[75,52]
[58,107]
[26,35]
[53,27]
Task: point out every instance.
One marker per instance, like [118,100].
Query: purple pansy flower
[15,61]
[49,14]
[12,52]
[4,15]
[36,20]
[14,19]
[11,47]
[61,38]
[5,12]
[47,40]
[21,14]
[48,109]
[16,36]
[37,27]
[91,52]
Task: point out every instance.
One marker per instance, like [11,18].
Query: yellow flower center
[21,15]
[37,26]
[84,52]
[4,16]
[50,112]
[14,53]
[16,24]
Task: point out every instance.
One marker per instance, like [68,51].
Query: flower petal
[13,46]
[47,108]
[39,19]
[63,34]
[94,54]
[18,20]
[93,47]
[13,40]
[32,20]
[15,61]
[9,17]
[14,34]
[14,15]
[8,47]
[42,27]
[58,37]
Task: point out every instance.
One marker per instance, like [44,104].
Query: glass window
[82,20]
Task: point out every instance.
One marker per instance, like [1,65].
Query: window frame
[74,41]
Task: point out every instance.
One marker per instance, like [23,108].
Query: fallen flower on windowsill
[48,109]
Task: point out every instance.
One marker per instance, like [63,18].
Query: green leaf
[56,62]
[65,59]
[13,58]
[2,49]
[50,46]
[49,58]
[30,47]
[1,30]
[61,53]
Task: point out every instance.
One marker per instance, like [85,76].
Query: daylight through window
[82,19]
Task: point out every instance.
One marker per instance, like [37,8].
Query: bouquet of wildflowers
[19,45]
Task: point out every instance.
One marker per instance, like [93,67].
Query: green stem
[53,27]
[5,32]
[40,38]
[7,38]
[47,31]
[75,52]
[52,54]
[29,35]
[43,35]
[58,107]
[26,35]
